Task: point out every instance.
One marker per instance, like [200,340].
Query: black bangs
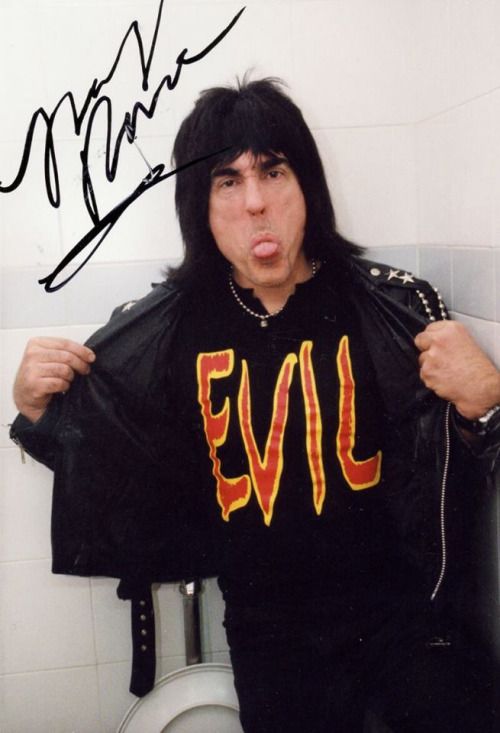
[256,117]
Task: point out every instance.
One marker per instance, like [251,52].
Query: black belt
[143,635]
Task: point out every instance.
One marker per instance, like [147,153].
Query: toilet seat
[200,697]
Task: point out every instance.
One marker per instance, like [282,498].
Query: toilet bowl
[199,698]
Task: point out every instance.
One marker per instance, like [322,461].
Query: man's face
[257,215]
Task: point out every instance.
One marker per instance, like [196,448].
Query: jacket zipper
[17,442]
[442,508]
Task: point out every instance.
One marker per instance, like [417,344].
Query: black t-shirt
[288,438]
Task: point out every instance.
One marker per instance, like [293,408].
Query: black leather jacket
[114,508]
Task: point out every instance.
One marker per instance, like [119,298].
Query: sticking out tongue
[265,249]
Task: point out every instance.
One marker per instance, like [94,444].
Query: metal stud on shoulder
[128,305]
[427,307]
[442,307]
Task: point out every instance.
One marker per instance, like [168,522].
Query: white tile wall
[434,154]
[400,94]
[496,338]
[170,624]
[473,276]
[355,55]
[25,500]
[472,173]
[52,701]
[46,620]
[25,304]
[113,684]
[29,225]
[355,158]
[404,258]
[212,612]
[495,162]
[111,619]
[474,65]
[15,116]
[485,332]
[115,283]
[146,230]
[497,282]
[457,175]
[435,266]
[432,39]
[261,41]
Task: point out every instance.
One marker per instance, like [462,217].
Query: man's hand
[48,366]
[456,369]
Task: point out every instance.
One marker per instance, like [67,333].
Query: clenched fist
[457,369]
[48,366]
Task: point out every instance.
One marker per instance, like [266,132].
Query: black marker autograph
[103,225]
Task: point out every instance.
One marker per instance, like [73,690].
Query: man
[265,416]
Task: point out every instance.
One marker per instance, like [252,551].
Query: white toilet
[199,698]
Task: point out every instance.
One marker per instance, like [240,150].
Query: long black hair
[256,117]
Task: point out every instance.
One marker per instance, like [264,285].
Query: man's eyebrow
[272,161]
[264,165]
[224,171]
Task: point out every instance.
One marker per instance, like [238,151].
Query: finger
[428,377]
[428,335]
[61,356]
[426,374]
[439,325]
[61,344]
[58,370]
[54,385]
[45,387]
[423,340]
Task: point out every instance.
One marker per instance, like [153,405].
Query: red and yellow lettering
[232,493]
[266,472]
[358,474]
[314,427]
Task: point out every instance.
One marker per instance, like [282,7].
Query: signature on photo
[83,120]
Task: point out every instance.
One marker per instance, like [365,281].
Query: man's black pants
[400,672]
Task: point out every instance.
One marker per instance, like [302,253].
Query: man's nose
[254,195]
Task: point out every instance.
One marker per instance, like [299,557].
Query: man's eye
[227,183]
[275,173]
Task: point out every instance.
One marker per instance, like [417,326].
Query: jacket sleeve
[125,479]
[37,439]
[484,447]
[426,305]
